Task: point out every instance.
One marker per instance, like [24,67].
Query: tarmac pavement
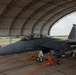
[26,67]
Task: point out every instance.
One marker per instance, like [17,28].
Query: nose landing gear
[39,59]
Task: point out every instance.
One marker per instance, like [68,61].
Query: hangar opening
[62,28]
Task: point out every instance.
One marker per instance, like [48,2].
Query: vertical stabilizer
[73,33]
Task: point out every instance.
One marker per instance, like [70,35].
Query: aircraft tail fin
[73,33]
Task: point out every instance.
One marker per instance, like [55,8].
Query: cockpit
[31,37]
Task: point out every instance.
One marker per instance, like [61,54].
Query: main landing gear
[73,54]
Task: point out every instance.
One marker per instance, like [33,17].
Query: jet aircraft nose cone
[11,49]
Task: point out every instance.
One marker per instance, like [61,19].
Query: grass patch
[9,40]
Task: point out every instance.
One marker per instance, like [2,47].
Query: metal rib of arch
[59,7]
[50,12]
[21,12]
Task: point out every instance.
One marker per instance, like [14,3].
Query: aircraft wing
[57,46]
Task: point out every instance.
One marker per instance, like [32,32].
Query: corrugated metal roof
[23,17]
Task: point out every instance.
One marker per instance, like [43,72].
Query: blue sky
[64,25]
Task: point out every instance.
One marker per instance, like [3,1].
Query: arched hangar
[24,17]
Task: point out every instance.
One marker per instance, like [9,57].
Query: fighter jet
[42,43]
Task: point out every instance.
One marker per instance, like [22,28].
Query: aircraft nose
[11,49]
[6,50]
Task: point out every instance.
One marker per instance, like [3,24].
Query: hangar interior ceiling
[24,17]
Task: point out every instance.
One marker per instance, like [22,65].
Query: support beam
[21,12]
[9,6]
[53,10]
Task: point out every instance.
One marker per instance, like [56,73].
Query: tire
[39,59]
[73,54]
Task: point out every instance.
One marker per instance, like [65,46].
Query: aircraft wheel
[73,54]
[39,59]
[58,62]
